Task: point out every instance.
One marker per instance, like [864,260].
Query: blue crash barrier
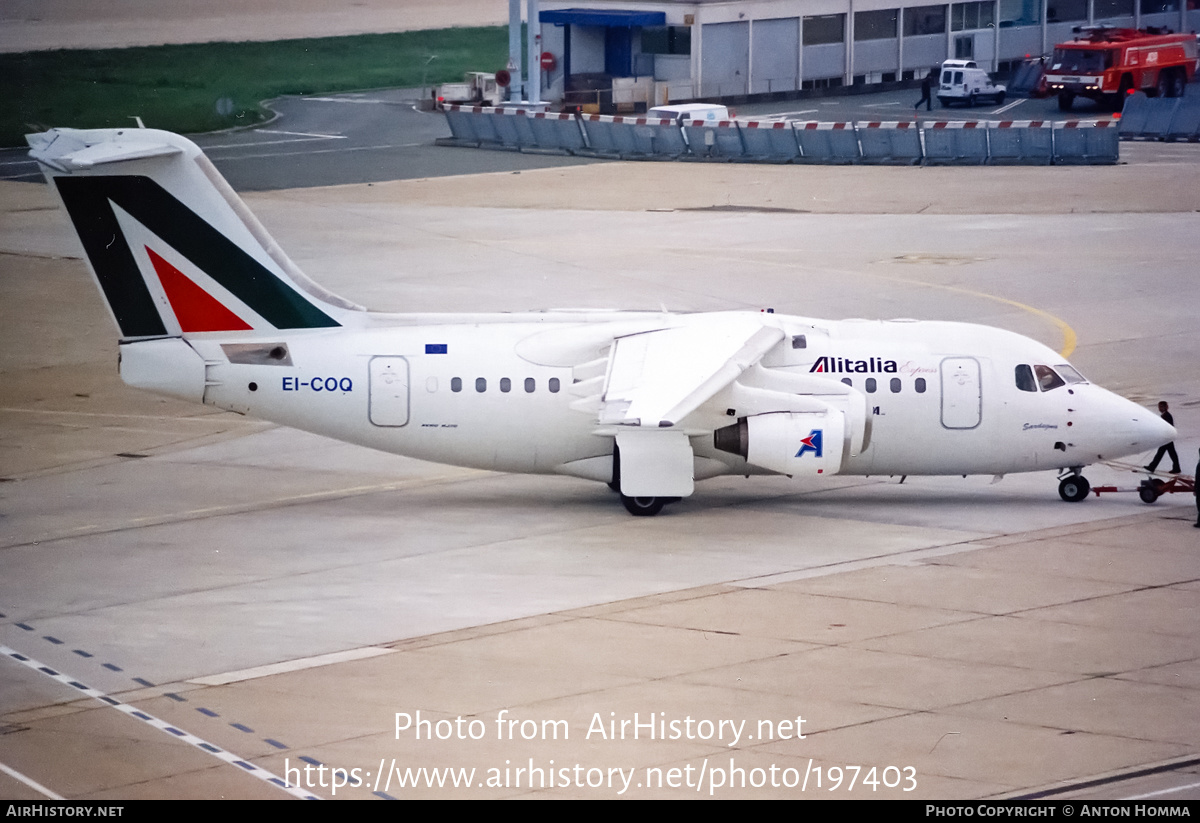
[1161,118]
[958,142]
[964,142]
[889,142]
[1021,142]
[1079,142]
[647,137]
[557,130]
[714,138]
[1186,123]
[769,141]
[833,143]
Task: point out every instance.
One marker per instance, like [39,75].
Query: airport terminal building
[669,51]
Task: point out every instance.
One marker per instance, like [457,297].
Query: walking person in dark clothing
[1166,448]
[1196,491]
[927,90]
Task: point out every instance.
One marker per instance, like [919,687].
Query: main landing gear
[1073,487]
[643,506]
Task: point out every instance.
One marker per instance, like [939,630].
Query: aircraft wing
[657,378]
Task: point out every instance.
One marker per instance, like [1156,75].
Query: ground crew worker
[926,91]
[1166,448]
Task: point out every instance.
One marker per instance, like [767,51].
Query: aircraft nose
[1147,429]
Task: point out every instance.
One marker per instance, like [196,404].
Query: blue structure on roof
[608,18]
[618,27]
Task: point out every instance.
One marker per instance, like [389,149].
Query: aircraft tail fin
[173,248]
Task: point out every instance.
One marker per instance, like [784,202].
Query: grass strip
[208,86]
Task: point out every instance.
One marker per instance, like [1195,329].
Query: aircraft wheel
[643,506]
[1149,490]
[1074,489]
[1163,87]
[971,102]
[1178,83]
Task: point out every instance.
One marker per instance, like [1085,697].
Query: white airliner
[211,310]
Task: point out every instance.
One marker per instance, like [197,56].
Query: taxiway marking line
[30,782]
[286,666]
[1011,105]
[242,508]
[1160,792]
[163,726]
[303,134]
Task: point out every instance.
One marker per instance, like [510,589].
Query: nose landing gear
[1073,487]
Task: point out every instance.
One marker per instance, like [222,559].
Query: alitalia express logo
[812,443]
[844,365]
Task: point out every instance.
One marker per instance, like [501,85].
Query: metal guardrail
[1016,142]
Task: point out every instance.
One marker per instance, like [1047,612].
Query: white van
[964,82]
[712,112]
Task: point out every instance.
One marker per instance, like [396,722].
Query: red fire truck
[1105,64]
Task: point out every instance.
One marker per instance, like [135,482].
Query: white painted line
[302,134]
[163,726]
[880,105]
[343,100]
[1174,790]
[261,143]
[1011,105]
[291,666]
[30,782]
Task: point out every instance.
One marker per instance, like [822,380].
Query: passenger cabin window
[553,385]
[1025,378]
[919,385]
[481,384]
[505,384]
[870,385]
[895,385]
[530,385]
[455,384]
[799,341]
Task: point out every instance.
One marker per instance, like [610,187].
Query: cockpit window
[1024,376]
[1069,374]
[1047,378]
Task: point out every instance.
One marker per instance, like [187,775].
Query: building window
[1153,7]
[875,25]
[975,15]
[1065,11]
[1029,12]
[924,20]
[666,40]
[824,28]
[1114,8]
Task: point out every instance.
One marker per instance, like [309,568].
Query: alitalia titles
[845,365]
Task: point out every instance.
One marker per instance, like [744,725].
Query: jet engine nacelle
[791,443]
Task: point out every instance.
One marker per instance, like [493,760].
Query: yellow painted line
[1070,339]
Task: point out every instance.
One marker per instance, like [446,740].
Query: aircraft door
[388,404]
[962,395]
